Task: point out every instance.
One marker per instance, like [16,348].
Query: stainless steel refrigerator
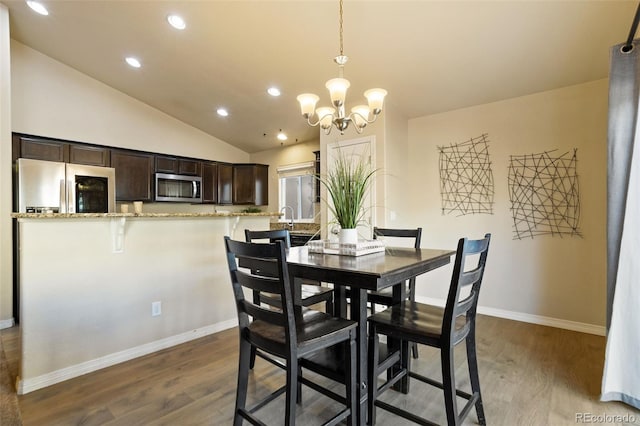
[51,187]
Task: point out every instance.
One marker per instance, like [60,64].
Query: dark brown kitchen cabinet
[251,184]
[40,148]
[134,175]
[37,148]
[209,182]
[89,155]
[225,183]
[178,166]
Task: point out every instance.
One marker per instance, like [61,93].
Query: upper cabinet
[222,183]
[134,175]
[40,149]
[177,166]
[209,182]
[89,155]
[54,150]
[225,183]
[251,184]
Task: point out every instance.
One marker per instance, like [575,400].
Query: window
[297,190]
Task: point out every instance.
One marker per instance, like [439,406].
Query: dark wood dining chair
[384,297]
[442,328]
[311,293]
[289,333]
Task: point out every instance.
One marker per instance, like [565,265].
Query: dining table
[360,274]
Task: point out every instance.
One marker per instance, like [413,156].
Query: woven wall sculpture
[466,179]
[544,194]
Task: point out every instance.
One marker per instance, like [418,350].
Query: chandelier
[327,117]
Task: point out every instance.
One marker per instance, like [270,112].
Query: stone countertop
[132,215]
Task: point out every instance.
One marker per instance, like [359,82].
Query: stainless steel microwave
[178,188]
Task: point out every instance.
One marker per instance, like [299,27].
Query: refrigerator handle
[71,199]
[63,196]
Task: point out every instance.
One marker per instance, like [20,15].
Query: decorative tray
[359,249]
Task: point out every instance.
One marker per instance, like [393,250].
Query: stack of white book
[334,247]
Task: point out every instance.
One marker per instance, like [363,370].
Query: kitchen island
[89,287]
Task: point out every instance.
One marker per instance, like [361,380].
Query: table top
[371,271]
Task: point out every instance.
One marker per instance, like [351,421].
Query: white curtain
[621,378]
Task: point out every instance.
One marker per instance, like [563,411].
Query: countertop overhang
[134,215]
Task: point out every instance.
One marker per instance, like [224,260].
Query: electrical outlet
[156,309]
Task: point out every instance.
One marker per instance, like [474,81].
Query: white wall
[52,99]
[542,278]
[6,283]
[48,98]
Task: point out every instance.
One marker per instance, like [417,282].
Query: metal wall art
[544,195]
[466,179]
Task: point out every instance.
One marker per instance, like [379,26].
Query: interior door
[355,149]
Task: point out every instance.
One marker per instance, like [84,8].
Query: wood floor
[530,375]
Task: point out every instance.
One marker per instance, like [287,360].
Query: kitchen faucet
[285,216]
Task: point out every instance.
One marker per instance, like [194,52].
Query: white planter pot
[348,236]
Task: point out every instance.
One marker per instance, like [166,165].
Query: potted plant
[347,183]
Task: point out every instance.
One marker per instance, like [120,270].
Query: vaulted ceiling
[431,56]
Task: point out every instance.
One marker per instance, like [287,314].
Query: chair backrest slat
[471,277]
[268,283]
[399,233]
[272,235]
[463,306]
[264,267]
[260,313]
[468,250]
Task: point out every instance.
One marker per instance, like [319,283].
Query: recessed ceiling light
[134,62]
[222,112]
[37,7]
[273,91]
[176,22]
[281,136]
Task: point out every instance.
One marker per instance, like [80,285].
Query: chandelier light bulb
[360,114]
[338,90]
[308,103]
[325,117]
[375,97]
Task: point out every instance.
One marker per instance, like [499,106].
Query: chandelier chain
[328,117]
[341,37]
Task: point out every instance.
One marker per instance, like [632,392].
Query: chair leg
[372,373]
[472,361]
[449,385]
[243,380]
[328,308]
[350,379]
[414,350]
[292,391]
[252,358]
[299,392]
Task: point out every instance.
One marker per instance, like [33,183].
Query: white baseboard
[8,323]
[39,382]
[533,319]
